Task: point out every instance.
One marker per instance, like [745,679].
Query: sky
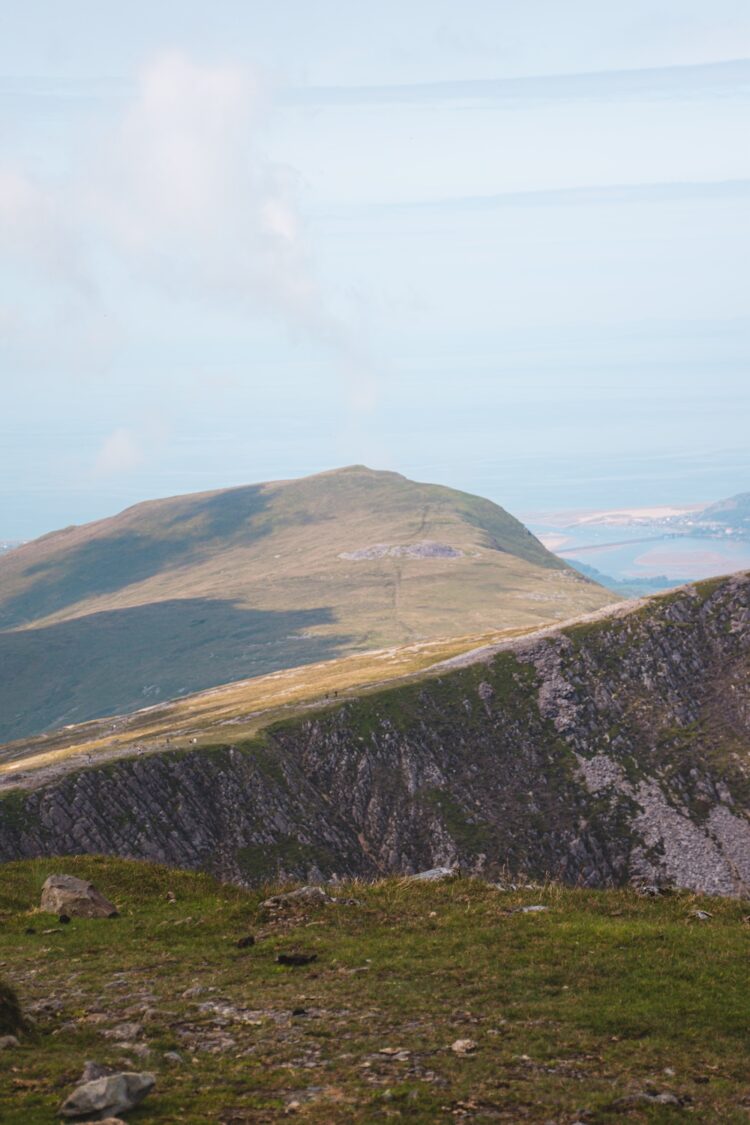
[501,246]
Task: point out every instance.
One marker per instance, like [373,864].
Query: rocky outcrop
[606,751]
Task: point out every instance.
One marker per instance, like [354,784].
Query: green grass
[604,996]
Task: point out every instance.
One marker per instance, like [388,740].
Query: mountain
[609,749]
[176,595]
[733,513]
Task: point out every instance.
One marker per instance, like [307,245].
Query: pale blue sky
[504,246]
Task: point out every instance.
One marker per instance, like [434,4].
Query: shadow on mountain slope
[104,564]
[123,659]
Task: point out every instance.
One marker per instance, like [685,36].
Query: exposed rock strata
[596,754]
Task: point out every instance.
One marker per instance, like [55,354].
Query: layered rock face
[599,753]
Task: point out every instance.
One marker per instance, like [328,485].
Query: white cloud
[181,194]
[120,452]
[185,194]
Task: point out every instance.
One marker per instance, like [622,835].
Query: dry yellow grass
[243,707]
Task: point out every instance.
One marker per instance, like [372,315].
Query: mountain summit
[174,595]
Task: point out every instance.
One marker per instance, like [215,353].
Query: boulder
[124,1031]
[64,894]
[108,1096]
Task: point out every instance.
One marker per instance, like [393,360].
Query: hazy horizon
[501,248]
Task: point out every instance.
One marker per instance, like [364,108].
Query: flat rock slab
[64,894]
[434,875]
[108,1096]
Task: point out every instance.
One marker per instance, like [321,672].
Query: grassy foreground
[576,1013]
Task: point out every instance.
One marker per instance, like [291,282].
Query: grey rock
[536,909]
[173,1057]
[428,549]
[45,1008]
[64,894]
[93,1070]
[433,875]
[112,1094]
[313,895]
[140,1050]
[7,1041]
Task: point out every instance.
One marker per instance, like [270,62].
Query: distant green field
[582,1012]
[173,596]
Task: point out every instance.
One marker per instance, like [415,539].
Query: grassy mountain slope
[176,595]
[611,748]
[605,1007]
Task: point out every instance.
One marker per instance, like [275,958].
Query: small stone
[668,1099]
[701,915]
[94,1070]
[140,1050]
[124,1031]
[531,909]
[7,1041]
[463,1047]
[104,1121]
[115,1093]
[46,1007]
[653,890]
[173,1057]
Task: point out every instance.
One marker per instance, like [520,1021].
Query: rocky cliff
[613,749]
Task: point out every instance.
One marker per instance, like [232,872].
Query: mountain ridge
[596,753]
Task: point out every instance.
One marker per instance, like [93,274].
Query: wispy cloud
[717,79]
[181,194]
[583,196]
